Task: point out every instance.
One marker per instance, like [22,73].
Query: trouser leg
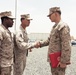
[5,70]
[57,71]
[18,69]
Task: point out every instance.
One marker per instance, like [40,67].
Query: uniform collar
[57,26]
[24,30]
[4,27]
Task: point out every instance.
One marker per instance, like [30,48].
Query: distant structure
[38,36]
[73,38]
[42,36]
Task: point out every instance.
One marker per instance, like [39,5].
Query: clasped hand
[34,45]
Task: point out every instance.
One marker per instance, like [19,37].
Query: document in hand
[55,58]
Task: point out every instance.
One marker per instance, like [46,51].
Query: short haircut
[59,12]
[2,18]
[22,19]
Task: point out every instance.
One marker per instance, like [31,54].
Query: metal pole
[15,13]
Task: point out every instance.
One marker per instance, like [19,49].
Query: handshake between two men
[33,45]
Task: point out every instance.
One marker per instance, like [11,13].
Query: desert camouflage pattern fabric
[5,70]
[6,51]
[21,46]
[6,47]
[58,71]
[59,40]
[26,16]
[7,13]
[53,9]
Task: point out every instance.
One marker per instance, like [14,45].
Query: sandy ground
[37,62]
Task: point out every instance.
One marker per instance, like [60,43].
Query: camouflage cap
[26,16]
[53,9]
[7,14]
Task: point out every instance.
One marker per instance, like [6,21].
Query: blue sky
[38,10]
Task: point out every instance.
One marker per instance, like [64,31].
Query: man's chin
[11,26]
[27,26]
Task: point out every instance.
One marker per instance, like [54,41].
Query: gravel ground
[37,63]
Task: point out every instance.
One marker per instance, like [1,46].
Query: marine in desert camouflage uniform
[6,43]
[21,45]
[59,40]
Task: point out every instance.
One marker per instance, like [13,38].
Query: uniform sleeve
[65,45]
[1,37]
[44,43]
[19,40]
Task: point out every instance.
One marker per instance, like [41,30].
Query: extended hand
[30,50]
[37,45]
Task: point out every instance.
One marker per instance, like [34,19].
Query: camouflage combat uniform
[59,40]
[6,51]
[21,45]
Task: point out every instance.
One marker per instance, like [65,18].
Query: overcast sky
[38,10]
